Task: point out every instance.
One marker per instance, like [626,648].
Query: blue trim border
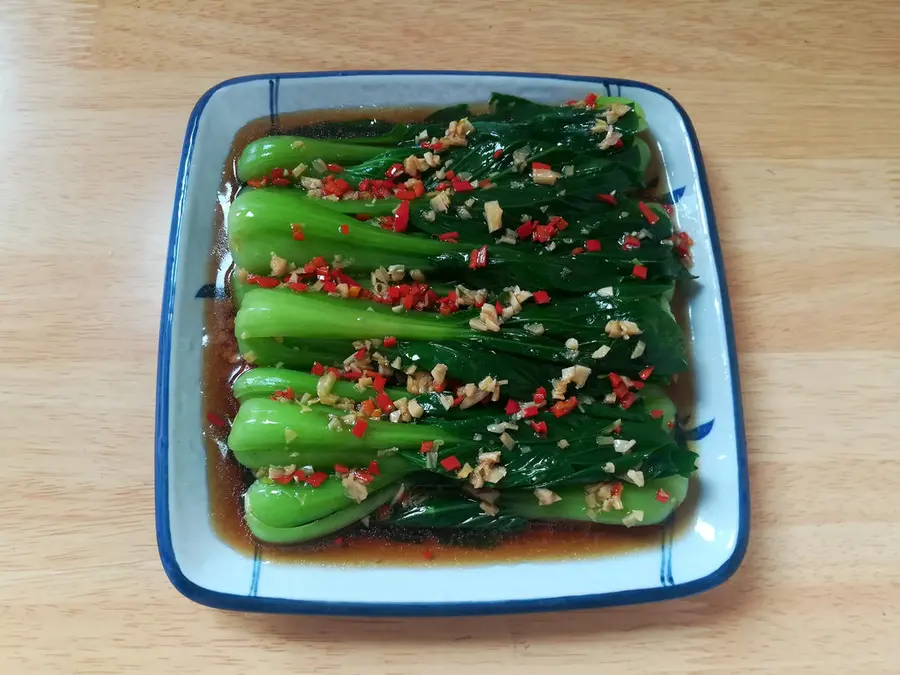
[254,603]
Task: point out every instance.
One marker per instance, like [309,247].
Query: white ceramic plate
[705,552]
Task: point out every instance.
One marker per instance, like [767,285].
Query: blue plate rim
[234,602]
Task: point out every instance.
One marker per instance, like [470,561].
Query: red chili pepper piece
[378,383]
[609,199]
[443,185]
[450,174]
[637,385]
[300,475]
[540,396]
[645,373]
[263,282]
[390,341]
[578,250]
[363,475]
[630,243]
[478,257]
[384,402]
[616,489]
[593,245]
[558,222]
[215,419]
[498,154]
[457,401]
[394,172]
[401,217]
[282,480]
[512,407]
[255,182]
[318,369]
[530,411]
[628,400]
[543,233]
[345,229]
[297,231]
[561,408]
[351,375]
[449,236]
[405,194]
[461,185]
[656,414]
[541,297]
[340,468]
[590,100]
[335,168]
[670,424]
[359,428]
[615,380]
[360,354]
[572,102]
[409,301]
[427,446]
[451,463]
[649,214]
[639,271]
[285,393]
[662,496]
[539,427]
[373,468]
[316,479]
[281,182]
[419,188]
[329,286]
[525,229]
[535,166]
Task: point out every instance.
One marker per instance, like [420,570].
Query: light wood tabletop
[797,106]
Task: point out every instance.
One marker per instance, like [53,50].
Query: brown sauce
[227,480]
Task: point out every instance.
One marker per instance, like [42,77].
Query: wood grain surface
[797,105]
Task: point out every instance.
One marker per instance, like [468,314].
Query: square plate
[706,551]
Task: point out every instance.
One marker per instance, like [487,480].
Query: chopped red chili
[451,463]
[540,395]
[530,411]
[317,369]
[578,250]
[378,383]
[264,282]
[360,354]
[561,408]
[639,271]
[630,242]
[359,428]
[670,424]
[345,229]
[394,172]
[373,468]
[461,185]
[645,373]
[512,407]
[282,480]
[558,222]
[590,100]
[390,341]
[637,385]
[627,400]
[284,393]
[593,245]
[656,414]
[215,419]
[298,286]
[280,182]
[316,479]
[662,496]
[498,154]
[401,217]
[525,229]
[340,468]
[351,375]
[478,257]
[457,401]
[335,168]
[539,427]
[615,489]
[609,199]
[255,182]
[449,236]
[384,402]
[615,379]
[541,297]
[300,475]
[543,233]
[537,166]
[651,216]
[427,446]
[450,174]
[405,194]
[419,188]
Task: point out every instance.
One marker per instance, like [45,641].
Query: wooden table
[798,110]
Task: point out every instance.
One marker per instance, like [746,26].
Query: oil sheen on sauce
[227,480]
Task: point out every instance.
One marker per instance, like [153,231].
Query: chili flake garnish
[630,243]
[317,369]
[530,411]
[590,100]
[390,341]
[541,297]
[461,185]
[297,231]
[264,282]
[345,229]
[316,479]
[373,468]
[379,382]
[215,419]
[360,354]
[578,250]
[401,217]
[649,214]
[628,400]
[609,199]
[384,402]
[662,496]
[427,446]
[512,407]
[335,168]
[593,245]
[300,475]
[449,236]
[284,394]
[656,414]
[498,154]
[525,229]
[639,271]
[394,172]
[645,373]
[340,468]
[451,463]
[540,395]
[539,427]
[282,480]
[561,408]
[360,428]
[478,257]
[539,165]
